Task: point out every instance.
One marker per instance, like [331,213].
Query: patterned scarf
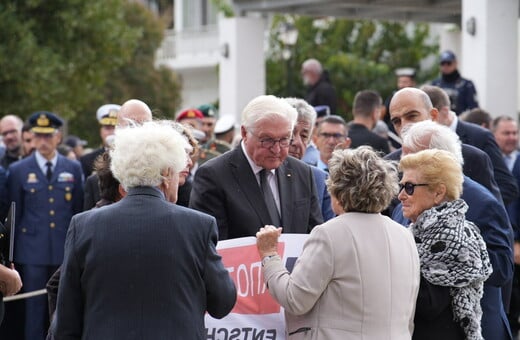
[453,254]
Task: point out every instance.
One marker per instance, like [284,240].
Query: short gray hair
[263,107]
[430,135]
[305,111]
[141,153]
[361,180]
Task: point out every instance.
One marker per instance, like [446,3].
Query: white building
[204,45]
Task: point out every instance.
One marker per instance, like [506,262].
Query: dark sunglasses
[446,63]
[409,188]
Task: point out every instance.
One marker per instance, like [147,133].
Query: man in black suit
[367,109]
[411,105]
[474,135]
[229,187]
[143,267]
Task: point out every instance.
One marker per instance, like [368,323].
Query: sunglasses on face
[409,188]
[446,63]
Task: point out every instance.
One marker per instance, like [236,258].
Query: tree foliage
[358,54]
[71,56]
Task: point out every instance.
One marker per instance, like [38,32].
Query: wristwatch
[267,259]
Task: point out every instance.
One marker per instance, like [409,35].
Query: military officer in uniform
[47,189]
[107,118]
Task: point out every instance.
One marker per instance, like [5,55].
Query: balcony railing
[188,43]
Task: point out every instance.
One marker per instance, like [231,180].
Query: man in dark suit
[366,110]
[474,135]
[413,105]
[48,190]
[505,130]
[256,184]
[132,274]
[302,133]
[107,118]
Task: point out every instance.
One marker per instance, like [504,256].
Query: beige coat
[357,278]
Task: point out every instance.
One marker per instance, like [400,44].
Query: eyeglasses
[446,63]
[268,143]
[336,136]
[409,188]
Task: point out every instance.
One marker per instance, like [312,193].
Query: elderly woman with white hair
[358,274]
[142,267]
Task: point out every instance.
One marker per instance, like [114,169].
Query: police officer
[462,92]
[47,189]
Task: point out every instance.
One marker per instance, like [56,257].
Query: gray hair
[361,180]
[312,65]
[263,107]
[142,153]
[430,135]
[305,111]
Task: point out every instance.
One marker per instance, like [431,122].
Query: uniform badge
[66,177]
[31,178]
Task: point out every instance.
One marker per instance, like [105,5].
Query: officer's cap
[45,122]
[208,110]
[225,124]
[107,114]
[448,56]
[405,72]
[190,113]
[322,111]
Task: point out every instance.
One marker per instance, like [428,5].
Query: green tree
[358,54]
[72,56]
[56,54]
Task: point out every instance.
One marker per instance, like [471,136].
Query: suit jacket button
[51,200]
[50,187]
[24,230]
[51,212]
[52,225]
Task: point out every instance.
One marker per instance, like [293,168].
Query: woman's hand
[267,240]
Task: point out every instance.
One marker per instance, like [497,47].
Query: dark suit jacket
[513,208]
[360,135]
[226,188]
[141,268]
[490,216]
[91,193]
[87,161]
[483,139]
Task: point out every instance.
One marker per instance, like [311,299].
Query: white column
[490,55]
[242,71]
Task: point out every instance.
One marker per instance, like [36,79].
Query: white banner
[256,315]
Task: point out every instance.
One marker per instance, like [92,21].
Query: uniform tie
[49,171]
[269,198]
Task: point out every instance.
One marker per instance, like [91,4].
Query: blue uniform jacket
[43,208]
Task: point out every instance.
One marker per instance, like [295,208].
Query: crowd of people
[412,229]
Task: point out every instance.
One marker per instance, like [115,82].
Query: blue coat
[483,139]
[490,216]
[323,194]
[43,208]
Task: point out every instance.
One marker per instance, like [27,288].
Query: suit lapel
[248,184]
[284,176]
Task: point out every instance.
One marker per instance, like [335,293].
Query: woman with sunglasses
[453,255]
[358,274]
